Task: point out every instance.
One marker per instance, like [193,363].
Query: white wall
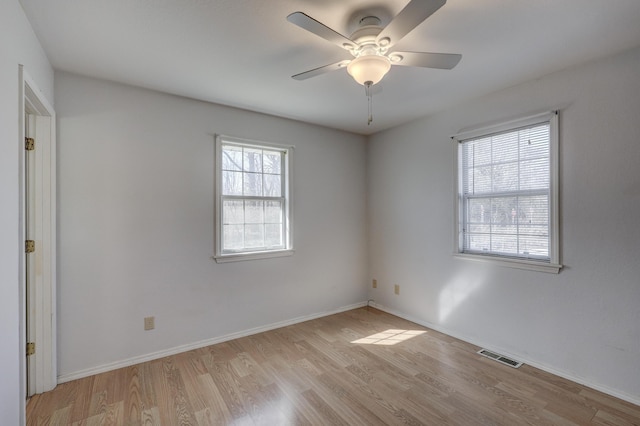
[583,323]
[18,45]
[136,224]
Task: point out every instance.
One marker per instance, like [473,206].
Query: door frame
[43,318]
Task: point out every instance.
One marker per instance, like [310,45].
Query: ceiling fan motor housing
[366,36]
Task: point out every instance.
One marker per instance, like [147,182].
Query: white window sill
[529,265]
[239,257]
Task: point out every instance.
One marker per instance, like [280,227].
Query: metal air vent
[500,358]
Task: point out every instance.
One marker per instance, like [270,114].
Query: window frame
[552,265]
[286,195]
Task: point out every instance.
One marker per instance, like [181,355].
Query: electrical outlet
[149,323]
[396,289]
[374,284]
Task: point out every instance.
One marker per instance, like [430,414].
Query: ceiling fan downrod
[369,93]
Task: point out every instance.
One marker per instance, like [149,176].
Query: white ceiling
[242,53]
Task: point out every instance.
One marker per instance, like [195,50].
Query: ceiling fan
[371,44]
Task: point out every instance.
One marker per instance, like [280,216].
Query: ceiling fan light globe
[369,68]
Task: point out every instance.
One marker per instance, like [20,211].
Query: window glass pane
[534,174]
[233,212]
[534,142]
[534,231]
[504,244]
[252,184]
[481,180]
[479,242]
[273,235]
[479,228]
[504,148]
[272,162]
[254,236]
[233,237]
[254,211]
[273,212]
[252,160]
[478,211]
[231,183]
[272,186]
[534,210]
[481,152]
[232,158]
[505,177]
[531,245]
[503,211]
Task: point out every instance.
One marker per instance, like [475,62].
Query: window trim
[553,265]
[288,250]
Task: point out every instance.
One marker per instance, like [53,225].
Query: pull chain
[369,93]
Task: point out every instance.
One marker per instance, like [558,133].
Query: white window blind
[506,193]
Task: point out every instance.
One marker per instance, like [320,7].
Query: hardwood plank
[132,403]
[292,386]
[151,417]
[60,416]
[370,397]
[174,406]
[217,411]
[228,389]
[609,419]
[329,416]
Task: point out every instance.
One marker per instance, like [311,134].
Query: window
[253,200]
[507,194]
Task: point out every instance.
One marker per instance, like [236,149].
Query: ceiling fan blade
[321,70]
[306,22]
[444,61]
[413,14]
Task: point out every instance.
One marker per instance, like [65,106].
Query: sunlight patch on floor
[389,337]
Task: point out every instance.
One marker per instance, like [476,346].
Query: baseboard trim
[633,399]
[200,344]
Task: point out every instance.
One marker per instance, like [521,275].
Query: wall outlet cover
[149,323]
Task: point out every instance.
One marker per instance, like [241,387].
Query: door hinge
[31,348]
[29,144]
[29,246]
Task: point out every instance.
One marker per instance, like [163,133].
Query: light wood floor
[313,373]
